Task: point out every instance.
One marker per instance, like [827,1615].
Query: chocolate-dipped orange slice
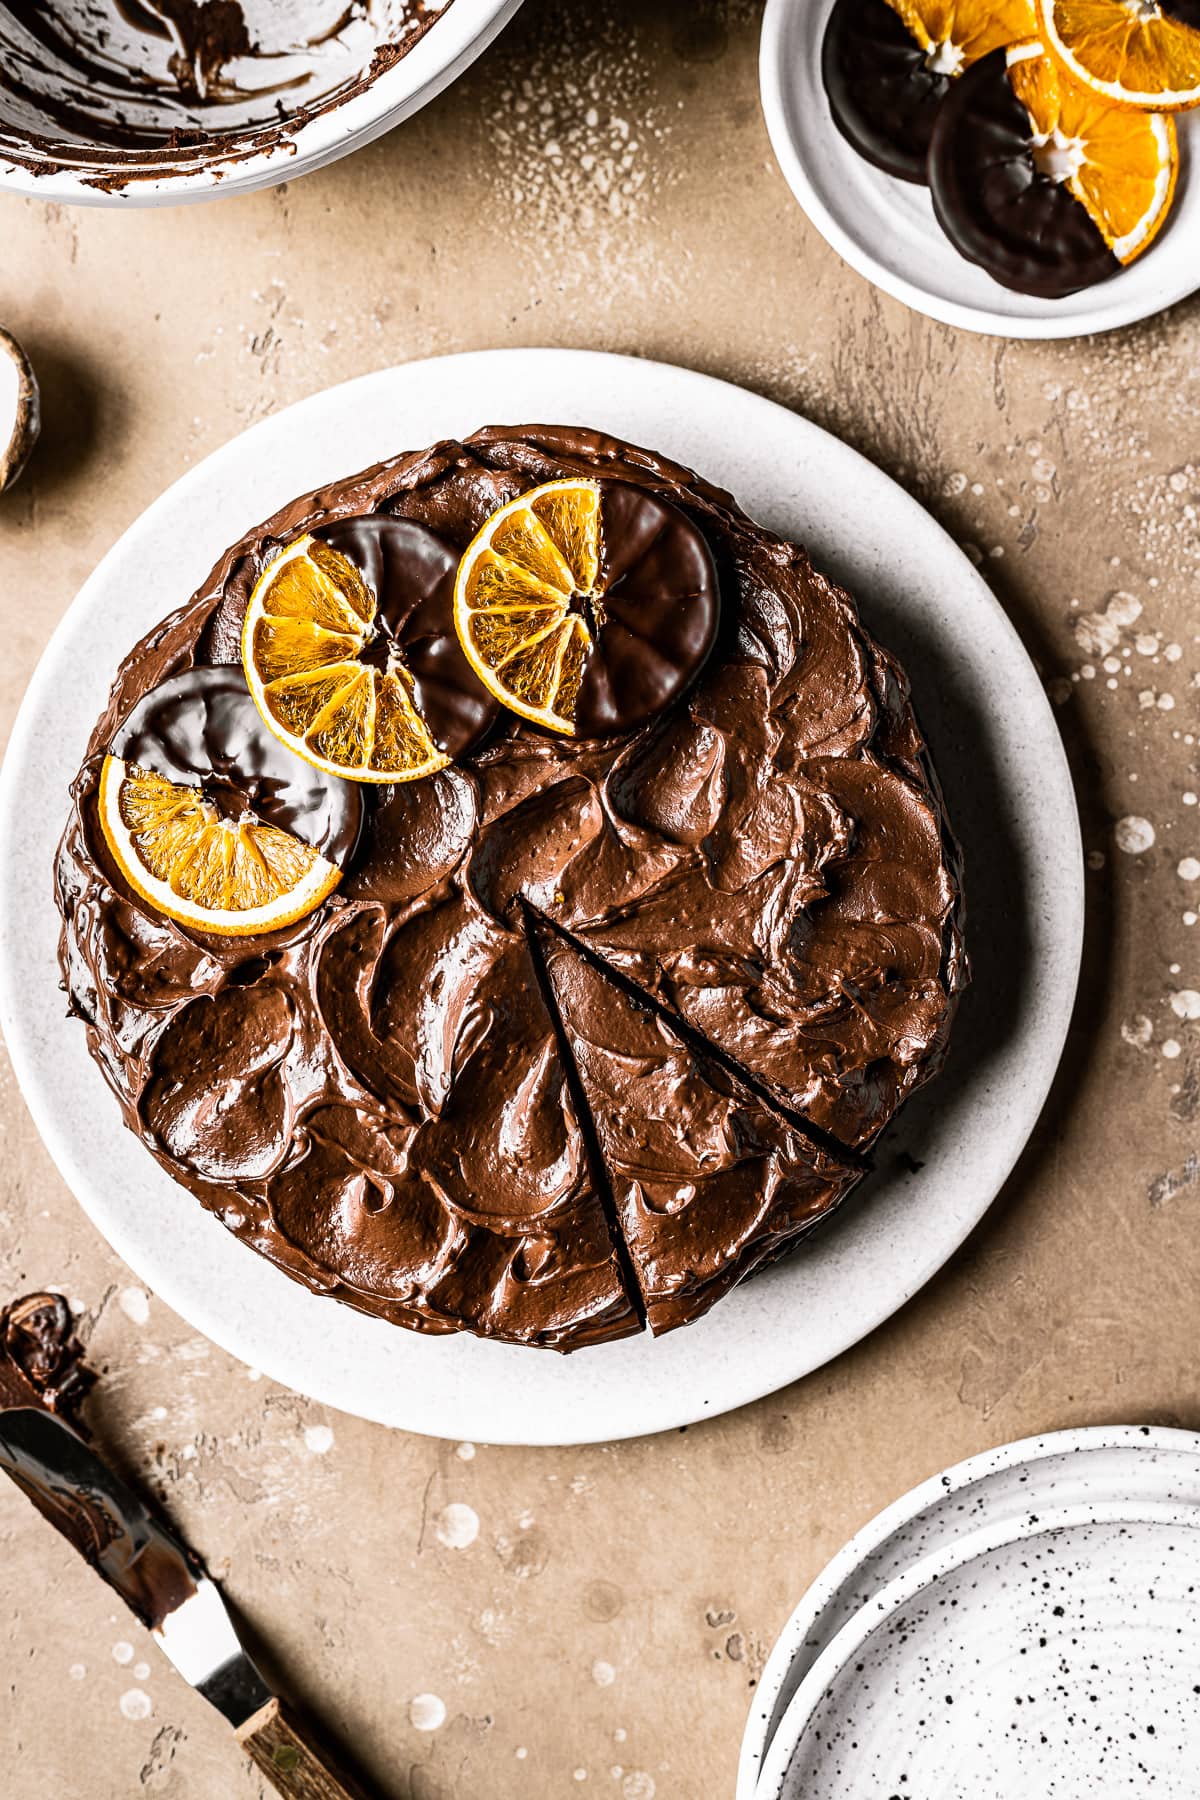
[214,823]
[350,652]
[1042,183]
[887,66]
[1143,54]
[587,607]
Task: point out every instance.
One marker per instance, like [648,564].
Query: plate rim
[657,1411]
[907,1510]
[923,1575]
[773,98]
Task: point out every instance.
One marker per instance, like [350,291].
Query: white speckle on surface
[318,1439]
[620,1734]
[426,1712]
[1186,1004]
[135,1704]
[77,1671]
[465,1453]
[603,1673]
[141,1671]
[581,1774]
[1138,1032]
[1189,869]
[1171,1048]
[521,1753]
[122,1653]
[638,1785]
[457,1526]
[1099,633]
[135,1304]
[1133,834]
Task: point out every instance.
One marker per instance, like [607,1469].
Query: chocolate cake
[592,1026]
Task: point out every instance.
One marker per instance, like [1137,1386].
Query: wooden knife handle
[291,1758]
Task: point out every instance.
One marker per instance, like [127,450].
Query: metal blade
[156,1575]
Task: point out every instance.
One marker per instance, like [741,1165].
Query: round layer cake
[590,1026]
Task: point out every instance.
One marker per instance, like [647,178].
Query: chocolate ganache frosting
[592,1026]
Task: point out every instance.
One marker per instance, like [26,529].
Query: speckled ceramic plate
[1056,1656]
[886,228]
[1125,1463]
[1008,792]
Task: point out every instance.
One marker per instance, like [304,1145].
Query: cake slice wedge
[706,1181]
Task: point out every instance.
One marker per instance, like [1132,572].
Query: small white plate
[1055,1656]
[886,228]
[1126,1463]
[1009,795]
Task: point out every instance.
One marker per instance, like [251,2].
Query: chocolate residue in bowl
[117,88]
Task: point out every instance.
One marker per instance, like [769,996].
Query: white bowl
[257,146]
[886,229]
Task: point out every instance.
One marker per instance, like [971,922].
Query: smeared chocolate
[43,1382]
[1026,229]
[397,1122]
[410,570]
[119,90]
[882,93]
[41,1359]
[654,621]
[104,1520]
[201,728]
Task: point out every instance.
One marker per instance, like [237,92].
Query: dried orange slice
[513,595]
[956,33]
[585,606]
[310,618]
[235,877]
[1121,166]
[1134,53]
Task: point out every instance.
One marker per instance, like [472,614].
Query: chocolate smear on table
[43,1382]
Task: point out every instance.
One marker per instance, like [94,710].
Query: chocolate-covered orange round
[587,607]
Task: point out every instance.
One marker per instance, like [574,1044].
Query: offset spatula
[164,1583]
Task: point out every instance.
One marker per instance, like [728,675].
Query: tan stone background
[603,179]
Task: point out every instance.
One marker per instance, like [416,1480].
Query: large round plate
[1009,795]
[886,228]
[1057,1655]
[1129,1464]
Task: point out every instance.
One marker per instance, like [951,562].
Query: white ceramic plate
[1057,1656]
[449,47]
[886,229]
[1125,1463]
[1009,794]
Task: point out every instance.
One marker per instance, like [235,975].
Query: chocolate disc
[654,617]
[202,729]
[1026,229]
[882,93]
[410,570]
